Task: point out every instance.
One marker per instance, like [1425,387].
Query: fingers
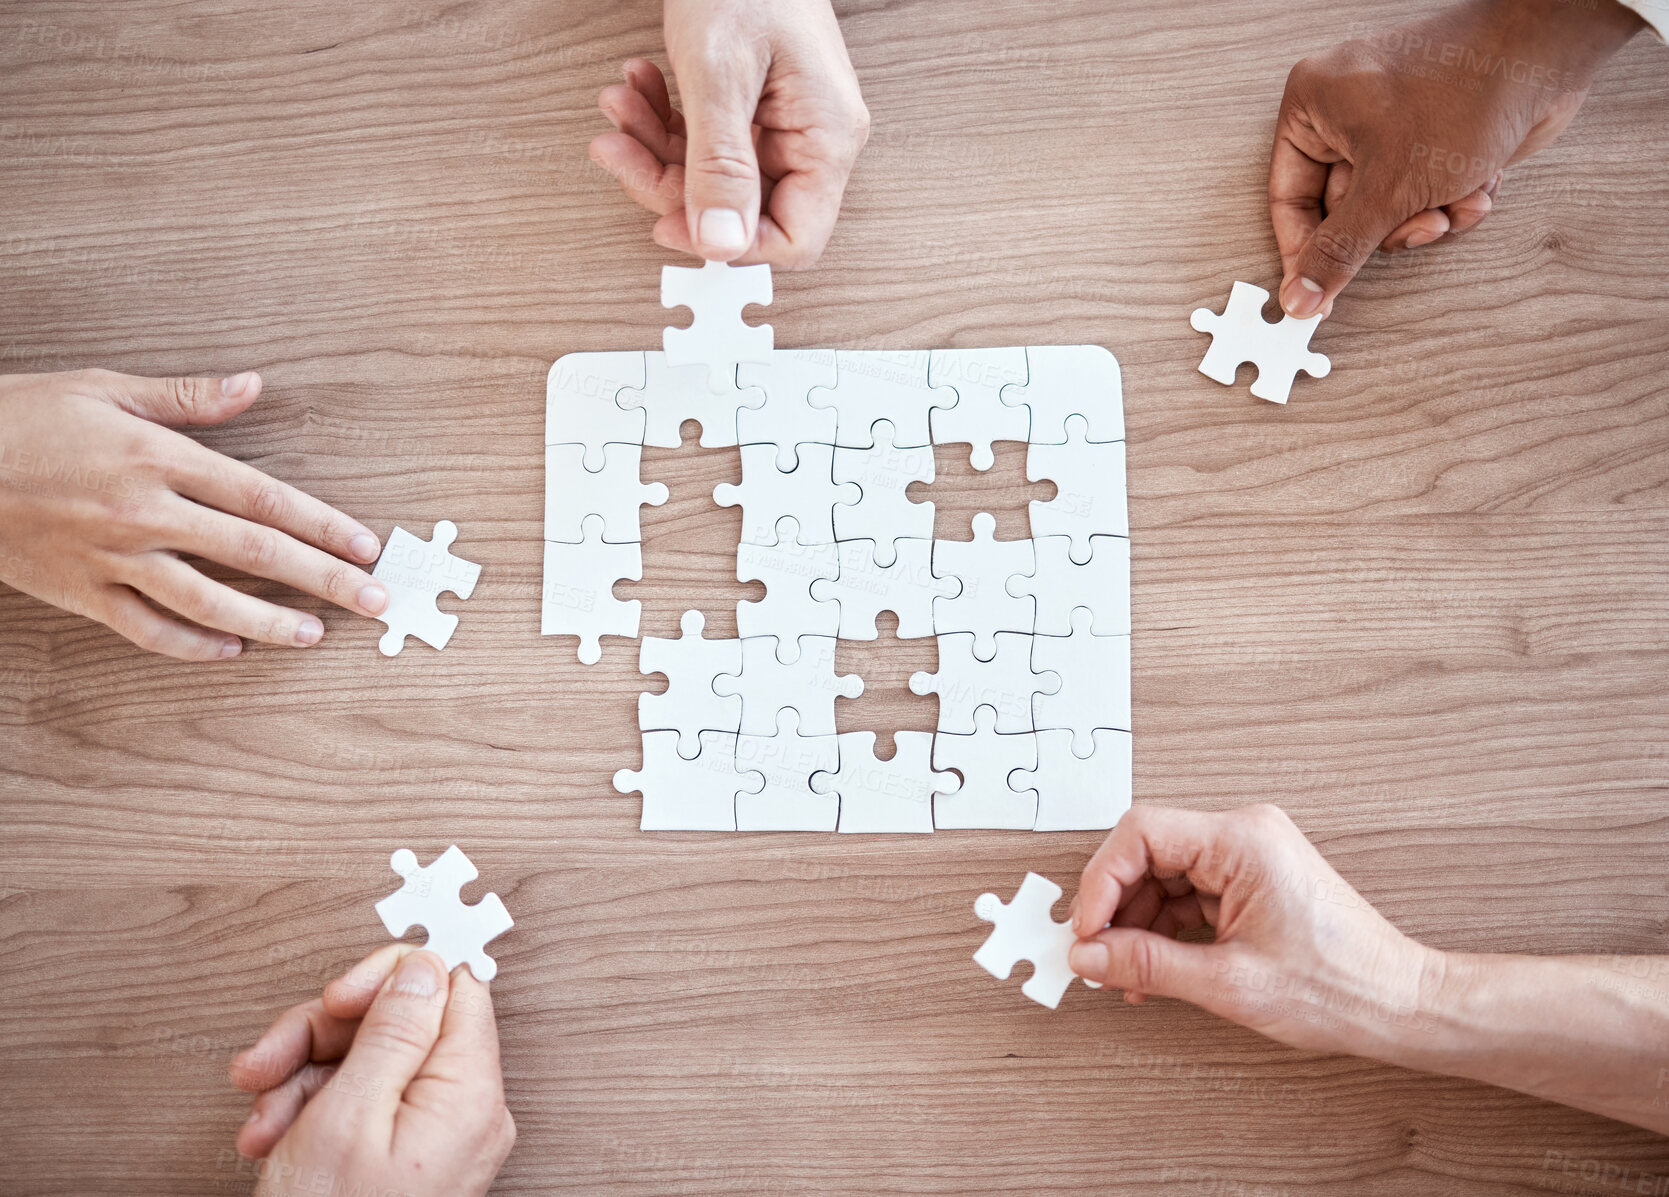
[1335,250]
[1466,212]
[179,587]
[350,995]
[1160,840]
[128,615]
[646,79]
[261,550]
[231,486]
[465,1059]
[302,1034]
[1422,228]
[632,113]
[720,87]
[1144,962]
[176,402]
[277,1108]
[803,209]
[394,1039]
[644,178]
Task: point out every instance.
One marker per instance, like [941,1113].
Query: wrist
[1560,45]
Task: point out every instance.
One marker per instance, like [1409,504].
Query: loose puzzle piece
[863,589]
[1241,334]
[787,761]
[1060,585]
[581,406]
[697,794]
[416,572]
[614,492]
[1089,497]
[1095,682]
[579,590]
[458,933]
[885,796]
[717,337]
[1080,793]
[985,759]
[789,570]
[887,385]
[983,565]
[1026,930]
[807,494]
[689,706]
[672,394]
[787,418]
[1067,380]
[979,416]
[807,683]
[1005,682]
[882,511]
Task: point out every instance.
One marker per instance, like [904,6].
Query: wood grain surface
[1425,607]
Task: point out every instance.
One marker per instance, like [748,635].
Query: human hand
[390,1082]
[99,501]
[754,168]
[1299,955]
[1400,139]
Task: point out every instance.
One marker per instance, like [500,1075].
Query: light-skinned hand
[1400,139]
[389,1082]
[754,168]
[101,501]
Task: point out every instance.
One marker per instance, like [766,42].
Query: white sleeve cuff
[1656,13]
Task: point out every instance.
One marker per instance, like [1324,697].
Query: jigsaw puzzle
[1241,334]
[457,933]
[416,573]
[1025,929]
[830,441]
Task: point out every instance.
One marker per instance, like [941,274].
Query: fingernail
[254,1116]
[1088,959]
[1302,298]
[236,386]
[231,649]
[373,597]
[309,631]
[364,547]
[1421,237]
[416,977]
[722,230]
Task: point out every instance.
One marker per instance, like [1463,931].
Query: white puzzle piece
[458,934]
[1005,682]
[1067,380]
[578,598]
[979,416]
[882,511]
[983,565]
[767,685]
[696,794]
[787,418]
[1241,334]
[1095,683]
[885,796]
[670,394]
[806,494]
[1089,497]
[863,589]
[985,759]
[615,493]
[1060,585]
[581,406]
[789,570]
[787,761]
[717,337]
[1025,929]
[416,572]
[1080,793]
[888,384]
[689,705]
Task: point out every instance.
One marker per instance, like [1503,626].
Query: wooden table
[1425,608]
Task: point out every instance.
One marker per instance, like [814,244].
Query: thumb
[721,169]
[174,402]
[1144,962]
[393,1041]
[1340,244]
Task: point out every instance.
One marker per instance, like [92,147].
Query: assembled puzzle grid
[1033,635]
